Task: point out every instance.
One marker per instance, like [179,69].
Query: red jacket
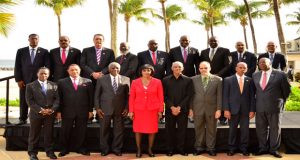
[146,99]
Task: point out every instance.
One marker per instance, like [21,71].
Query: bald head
[184,41]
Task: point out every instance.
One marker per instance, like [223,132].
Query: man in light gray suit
[206,108]
[43,100]
[272,91]
[111,103]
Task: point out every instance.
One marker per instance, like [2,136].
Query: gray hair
[177,63]
[114,64]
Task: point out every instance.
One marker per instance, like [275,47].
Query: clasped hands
[101,113]
[175,110]
[46,112]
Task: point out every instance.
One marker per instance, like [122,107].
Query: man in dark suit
[95,60]
[28,61]
[76,106]
[62,57]
[178,90]
[272,91]
[187,55]
[111,103]
[43,100]
[205,108]
[278,60]
[241,55]
[128,61]
[220,62]
[158,59]
[239,107]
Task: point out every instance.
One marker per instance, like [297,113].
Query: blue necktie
[44,89]
[271,58]
[32,55]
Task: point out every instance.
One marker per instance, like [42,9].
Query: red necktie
[264,81]
[74,84]
[122,59]
[153,58]
[63,56]
[184,55]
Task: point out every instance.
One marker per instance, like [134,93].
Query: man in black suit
[241,55]
[43,100]
[220,62]
[239,107]
[28,61]
[178,90]
[111,103]
[76,106]
[272,91]
[277,59]
[158,59]
[187,55]
[62,57]
[128,61]
[95,60]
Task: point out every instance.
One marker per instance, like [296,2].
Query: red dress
[145,103]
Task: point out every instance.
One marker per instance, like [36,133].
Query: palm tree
[163,8]
[251,26]
[113,17]
[205,21]
[275,6]
[213,9]
[133,8]
[240,13]
[58,6]
[296,20]
[173,13]
[6,19]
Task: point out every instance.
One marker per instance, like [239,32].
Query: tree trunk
[207,36]
[245,36]
[168,38]
[251,27]
[127,31]
[114,27]
[211,21]
[110,12]
[59,26]
[166,25]
[279,27]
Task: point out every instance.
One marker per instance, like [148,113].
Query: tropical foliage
[6,19]
[296,19]
[293,102]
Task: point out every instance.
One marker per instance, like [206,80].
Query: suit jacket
[192,62]
[75,102]
[220,64]
[235,101]
[162,67]
[88,61]
[249,58]
[109,101]
[58,69]
[279,61]
[274,96]
[24,69]
[128,65]
[146,99]
[36,99]
[206,101]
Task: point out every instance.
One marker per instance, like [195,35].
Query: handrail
[7,99]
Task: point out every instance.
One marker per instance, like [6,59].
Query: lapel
[206,54]
[70,54]
[257,79]
[200,86]
[93,52]
[180,54]
[209,84]
[271,79]
[108,79]
[38,86]
[236,83]
[37,54]
[148,56]
[102,58]
[70,83]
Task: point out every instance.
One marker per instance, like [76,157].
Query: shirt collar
[268,71]
[180,76]
[30,48]
[238,77]
[67,49]
[45,82]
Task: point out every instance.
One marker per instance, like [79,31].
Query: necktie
[264,81]
[98,54]
[153,58]
[241,84]
[121,59]
[184,55]
[240,57]
[74,84]
[205,82]
[44,89]
[32,55]
[271,57]
[115,87]
[63,56]
[212,54]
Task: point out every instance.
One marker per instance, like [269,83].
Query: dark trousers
[35,131]
[67,130]
[118,133]
[263,120]
[235,120]
[178,135]
[23,106]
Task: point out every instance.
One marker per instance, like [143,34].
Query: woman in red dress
[145,107]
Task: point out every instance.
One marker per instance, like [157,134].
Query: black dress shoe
[170,154]
[246,153]
[230,153]
[212,153]
[63,153]
[33,157]
[104,153]
[85,153]
[21,122]
[260,152]
[118,153]
[151,154]
[276,154]
[197,152]
[51,155]
[183,154]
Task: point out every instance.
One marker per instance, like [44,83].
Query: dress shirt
[76,81]
[182,51]
[268,76]
[35,50]
[155,54]
[210,51]
[45,83]
[112,79]
[67,52]
[238,77]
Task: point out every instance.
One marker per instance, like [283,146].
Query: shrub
[10,103]
[293,102]
[297,77]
